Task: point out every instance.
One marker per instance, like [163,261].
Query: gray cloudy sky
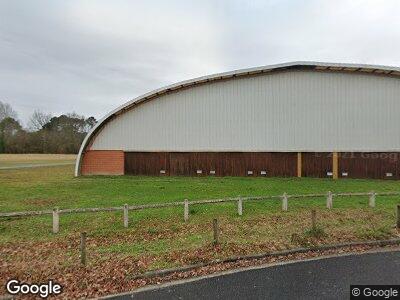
[91,56]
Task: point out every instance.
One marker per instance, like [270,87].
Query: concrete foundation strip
[165,272]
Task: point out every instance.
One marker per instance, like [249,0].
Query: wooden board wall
[223,163]
[316,164]
[374,165]
[277,164]
[146,163]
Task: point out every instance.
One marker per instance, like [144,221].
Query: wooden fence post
[284,202]
[216,233]
[126,216]
[313,219]
[372,199]
[56,220]
[240,206]
[398,217]
[83,248]
[329,200]
[186,210]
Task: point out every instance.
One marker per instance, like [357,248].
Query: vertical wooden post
[56,220]
[126,216]
[83,248]
[335,165]
[372,199]
[216,232]
[284,202]
[329,200]
[313,219]
[186,210]
[240,206]
[299,164]
[398,217]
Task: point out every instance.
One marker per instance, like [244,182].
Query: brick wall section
[103,162]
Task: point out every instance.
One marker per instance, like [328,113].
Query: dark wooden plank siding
[188,163]
[146,163]
[374,165]
[316,164]
[277,164]
[223,163]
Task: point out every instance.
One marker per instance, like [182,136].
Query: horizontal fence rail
[180,203]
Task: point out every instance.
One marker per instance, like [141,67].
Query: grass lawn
[159,238]
[21,160]
[48,187]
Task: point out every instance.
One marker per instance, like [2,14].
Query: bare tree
[6,111]
[38,120]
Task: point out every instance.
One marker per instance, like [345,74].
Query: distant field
[159,238]
[27,160]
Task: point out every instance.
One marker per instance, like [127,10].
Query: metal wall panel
[282,111]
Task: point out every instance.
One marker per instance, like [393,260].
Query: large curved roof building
[292,119]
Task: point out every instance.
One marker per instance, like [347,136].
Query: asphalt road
[328,278]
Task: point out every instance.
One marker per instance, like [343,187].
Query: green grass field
[159,238]
[29,160]
[48,187]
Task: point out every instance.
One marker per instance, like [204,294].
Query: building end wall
[103,162]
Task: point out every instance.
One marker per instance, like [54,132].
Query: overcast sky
[91,56]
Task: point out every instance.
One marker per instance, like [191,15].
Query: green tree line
[45,133]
